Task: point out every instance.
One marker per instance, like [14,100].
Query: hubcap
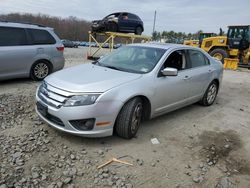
[212,91]
[218,56]
[139,30]
[136,118]
[41,70]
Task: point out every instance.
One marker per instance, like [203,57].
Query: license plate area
[42,109]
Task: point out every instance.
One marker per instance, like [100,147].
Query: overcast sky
[177,15]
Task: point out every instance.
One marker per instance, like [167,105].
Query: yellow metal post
[110,38]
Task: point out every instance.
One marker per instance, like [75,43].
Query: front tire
[129,119]
[40,70]
[219,54]
[210,95]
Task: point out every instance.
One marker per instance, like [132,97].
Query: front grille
[43,110]
[50,96]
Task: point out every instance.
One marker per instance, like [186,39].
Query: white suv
[29,50]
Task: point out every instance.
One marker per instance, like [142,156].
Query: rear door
[15,52]
[199,74]
[43,43]
[124,22]
[133,22]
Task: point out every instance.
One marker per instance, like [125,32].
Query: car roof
[23,25]
[165,46]
[123,13]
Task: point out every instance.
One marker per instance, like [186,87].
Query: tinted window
[196,59]
[238,32]
[132,16]
[12,36]
[41,37]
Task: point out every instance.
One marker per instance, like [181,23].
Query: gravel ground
[199,146]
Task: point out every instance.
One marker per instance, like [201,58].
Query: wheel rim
[218,56]
[212,91]
[138,30]
[41,70]
[136,118]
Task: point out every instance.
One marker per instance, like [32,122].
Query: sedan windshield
[135,59]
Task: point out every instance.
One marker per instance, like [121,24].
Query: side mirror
[169,71]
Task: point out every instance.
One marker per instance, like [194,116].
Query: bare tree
[66,28]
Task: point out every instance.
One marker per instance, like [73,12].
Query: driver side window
[176,60]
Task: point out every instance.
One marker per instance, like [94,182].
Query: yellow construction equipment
[197,43]
[109,38]
[236,45]
[194,43]
[230,63]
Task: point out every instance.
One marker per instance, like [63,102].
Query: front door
[171,92]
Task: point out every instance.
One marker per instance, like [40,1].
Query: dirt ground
[199,146]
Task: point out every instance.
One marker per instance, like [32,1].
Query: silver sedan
[134,83]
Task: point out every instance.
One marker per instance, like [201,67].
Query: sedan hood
[89,78]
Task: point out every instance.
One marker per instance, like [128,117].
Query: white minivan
[29,50]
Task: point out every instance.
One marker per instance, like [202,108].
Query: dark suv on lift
[119,22]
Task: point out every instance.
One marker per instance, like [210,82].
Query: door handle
[186,78]
[210,71]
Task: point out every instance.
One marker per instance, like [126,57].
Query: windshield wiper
[97,63]
[108,66]
[112,67]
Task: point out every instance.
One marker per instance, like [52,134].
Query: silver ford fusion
[134,83]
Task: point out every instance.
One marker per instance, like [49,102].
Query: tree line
[71,28]
[178,37]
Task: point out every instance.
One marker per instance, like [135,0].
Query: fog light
[83,124]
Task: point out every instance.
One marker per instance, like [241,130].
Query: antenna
[154,22]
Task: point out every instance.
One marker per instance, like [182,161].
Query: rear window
[196,59]
[40,37]
[132,16]
[10,36]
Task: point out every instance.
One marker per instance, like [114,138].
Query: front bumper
[97,27]
[102,112]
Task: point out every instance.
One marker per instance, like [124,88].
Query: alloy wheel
[136,118]
[41,70]
[211,95]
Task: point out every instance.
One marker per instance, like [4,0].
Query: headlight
[81,100]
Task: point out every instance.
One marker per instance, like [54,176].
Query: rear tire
[219,54]
[138,30]
[129,118]
[40,70]
[210,94]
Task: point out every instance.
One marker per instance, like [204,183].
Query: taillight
[60,48]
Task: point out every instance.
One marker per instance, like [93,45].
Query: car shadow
[17,81]
[154,127]
[148,129]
